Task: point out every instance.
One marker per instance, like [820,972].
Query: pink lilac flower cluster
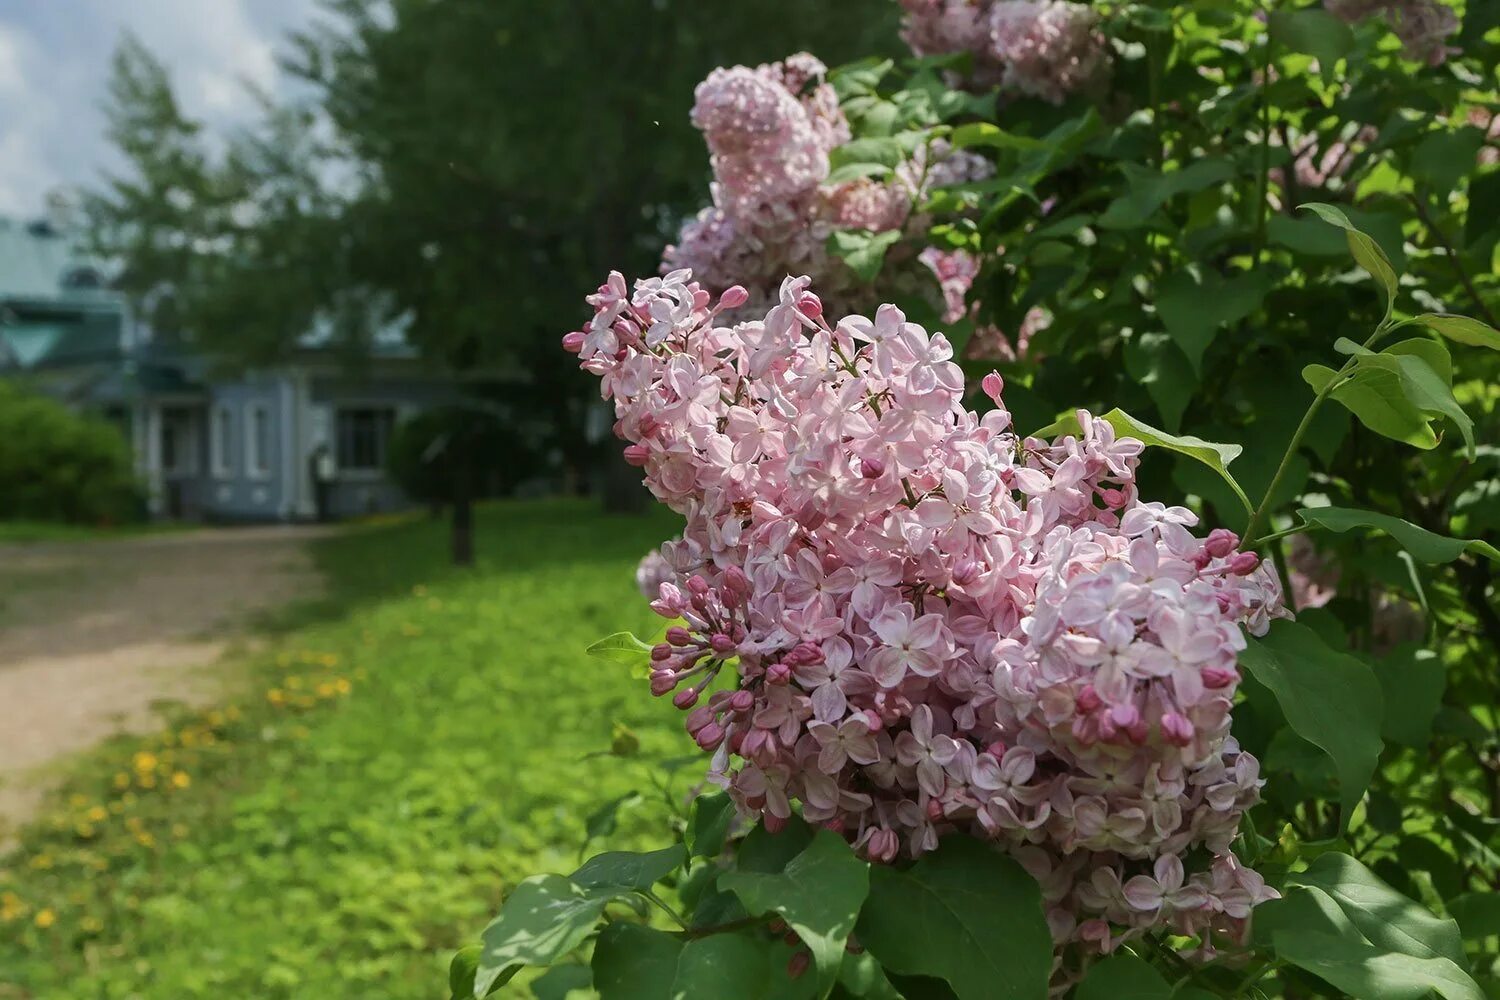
[1042,48]
[910,620]
[1422,25]
[770,129]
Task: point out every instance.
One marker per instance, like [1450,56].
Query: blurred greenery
[408,748]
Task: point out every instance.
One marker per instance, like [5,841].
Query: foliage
[1151,214]
[61,466]
[404,753]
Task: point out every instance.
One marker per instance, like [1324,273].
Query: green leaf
[603,820]
[1216,456]
[986,134]
[461,972]
[1385,917]
[1375,396]
[1478,915]
[770,853]
[626,870]
[1425,545]
[1156,363]
[1413,678]
[966,914]
[544,919]
[1330,699]
[1315,32]
[854,171]
[622,647]
[1312,930]
[1462,329]
[1123,977]
[708,825]
[818,894]
[632,962]
[1421,385]
[1367,253]
[560,981]
[1150,190]
[1193,313]
[862,250]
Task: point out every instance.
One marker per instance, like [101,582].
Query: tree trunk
[463,517]
[624,493]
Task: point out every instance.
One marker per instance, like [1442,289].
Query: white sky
[54,61]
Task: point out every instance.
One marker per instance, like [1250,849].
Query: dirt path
[93,633]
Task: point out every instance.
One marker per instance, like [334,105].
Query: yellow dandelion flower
[98,814]
[45,918]
[293,683]
[180,779]
[42,862]
[11,907]
[276,697]
[144,761]
[326,690]
[122,780]
[342,685]
[145,839]
[329,659]
[85,831]
[146,780]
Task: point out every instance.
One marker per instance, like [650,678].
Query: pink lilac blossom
[770,129]
[1042,48]
[899,614]
[1422,25]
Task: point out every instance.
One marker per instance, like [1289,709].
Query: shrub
[58,465]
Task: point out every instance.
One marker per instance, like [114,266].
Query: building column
[150,426]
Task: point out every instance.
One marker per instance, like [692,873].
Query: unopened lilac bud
[722,644]
[810,305]
[662,681]
[662,651]
[996,749]
[1113,498]
[1088,699]
[697,585]
[773,822]
[797,964]
[686,698]
[993,385]
[1244,563]
[1216,678]
[836,824]
[873,720]
[966,572]
[1124,716]
[736,582]
[792,938]
[776,925]
[573,342]
[679,636]
[871,467]
[1138,733]
[883,845]
[778,673]
[934,810]
[1176,729]
[637,455]
[734,296]
[710,736]
[742,701]
[698,717]
[1221,542]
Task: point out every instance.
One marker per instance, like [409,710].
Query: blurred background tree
[463,164]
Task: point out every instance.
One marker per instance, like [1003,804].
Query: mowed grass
[407,750]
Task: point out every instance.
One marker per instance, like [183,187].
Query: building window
[222,445]
[178,441]
[258,440]
[364,434]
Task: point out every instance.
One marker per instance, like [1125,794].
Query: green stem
[1263,512]
[1274,536]
[667,909]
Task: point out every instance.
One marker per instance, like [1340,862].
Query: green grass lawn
[406,751]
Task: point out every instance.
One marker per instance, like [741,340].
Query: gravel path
[93,633]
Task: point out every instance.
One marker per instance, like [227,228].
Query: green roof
[36,261]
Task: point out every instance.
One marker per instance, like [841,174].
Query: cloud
[54,63]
